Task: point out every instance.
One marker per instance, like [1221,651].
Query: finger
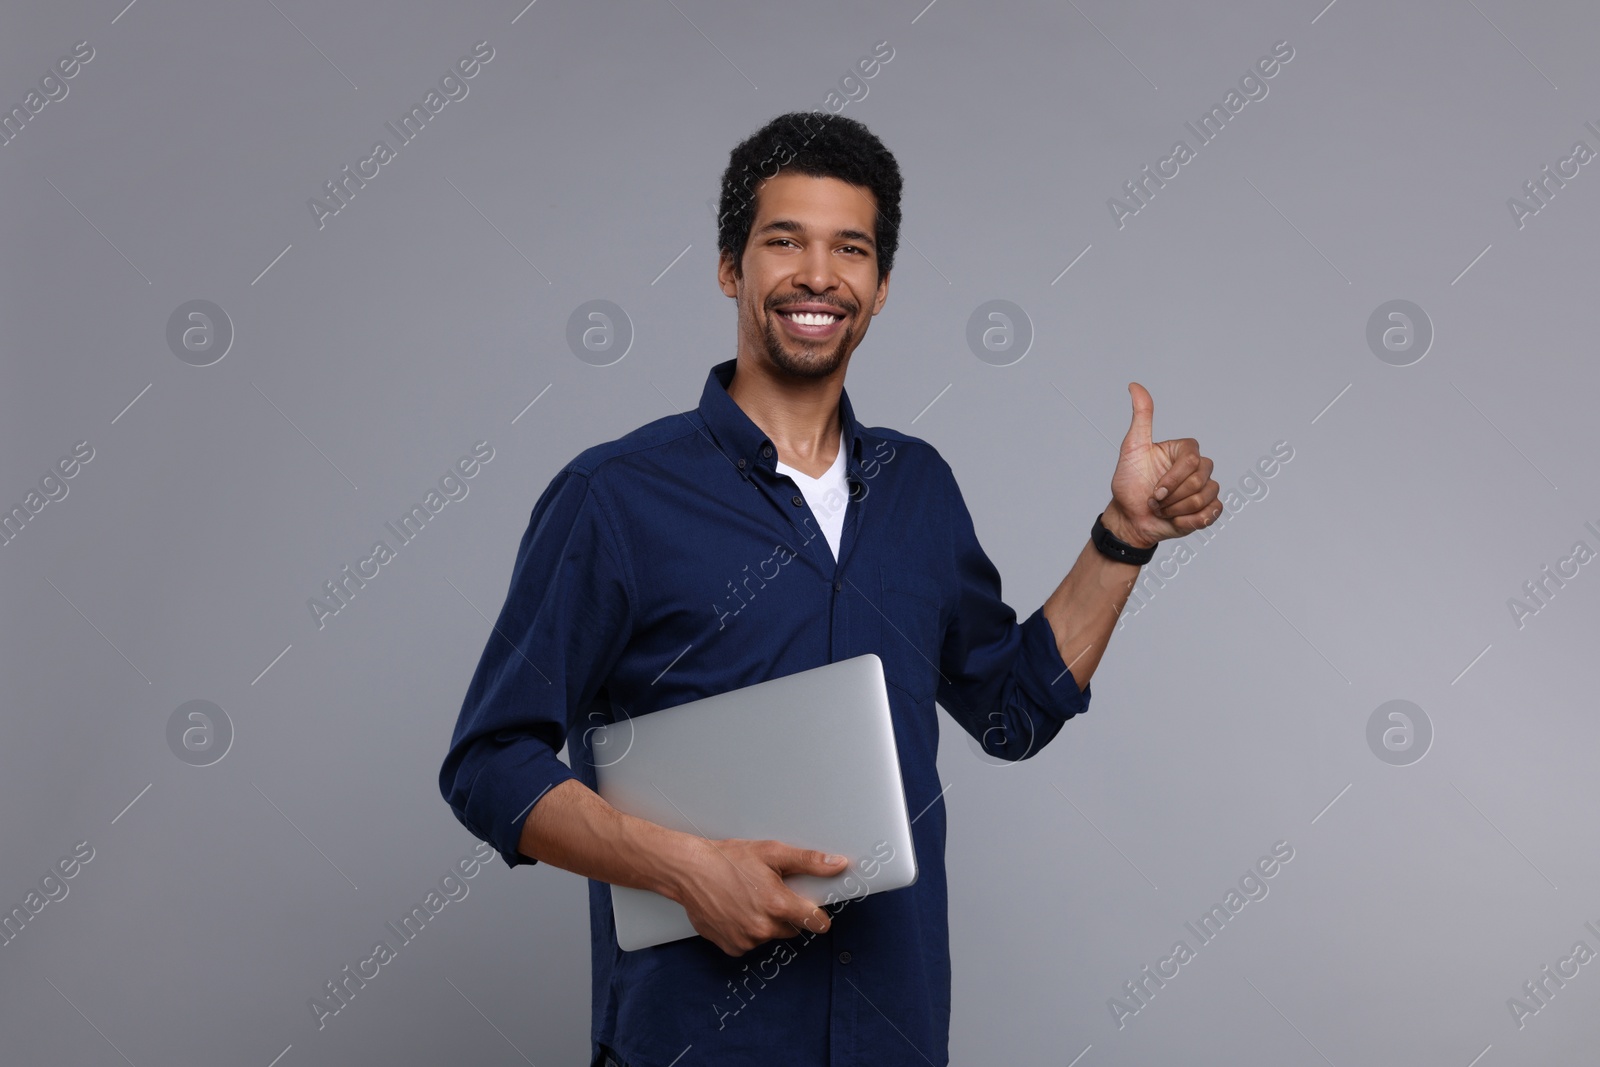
[1191,485]
[786,859]
[803,915]
[1144,407]
[788,914]
[1208,514]
[1187,499]
[1196,502]
[1183,466]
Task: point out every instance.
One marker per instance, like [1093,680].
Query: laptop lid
[808,759]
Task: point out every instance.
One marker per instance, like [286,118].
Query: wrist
[1122,528]
[679,857]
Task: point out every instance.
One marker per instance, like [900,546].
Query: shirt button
[798,501]
[844,957]
[741,464]
[838,587]
[766,451]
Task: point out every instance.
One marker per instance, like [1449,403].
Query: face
[809,284]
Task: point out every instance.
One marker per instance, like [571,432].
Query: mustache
[843,309]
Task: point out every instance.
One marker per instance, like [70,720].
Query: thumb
[790,860]
[1143,412]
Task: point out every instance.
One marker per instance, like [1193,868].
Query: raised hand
[1160,489]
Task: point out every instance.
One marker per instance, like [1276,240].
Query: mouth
[812,322]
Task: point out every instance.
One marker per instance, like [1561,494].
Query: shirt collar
[743,442]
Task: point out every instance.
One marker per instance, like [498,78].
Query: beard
[806,359]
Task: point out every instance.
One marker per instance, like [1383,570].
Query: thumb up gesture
[1160,489]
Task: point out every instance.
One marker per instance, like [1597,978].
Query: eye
[777,240]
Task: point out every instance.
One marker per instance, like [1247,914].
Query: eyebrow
[792,226]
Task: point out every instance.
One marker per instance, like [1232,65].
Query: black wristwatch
[1115,548]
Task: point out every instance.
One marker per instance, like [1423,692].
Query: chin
[805,368]
[806,362]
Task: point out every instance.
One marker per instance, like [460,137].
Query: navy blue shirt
[676,563]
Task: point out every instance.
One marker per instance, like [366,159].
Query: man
[764,533]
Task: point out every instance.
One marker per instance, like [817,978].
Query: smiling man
[767,532]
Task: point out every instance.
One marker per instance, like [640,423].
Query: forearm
[572,827]
[1084,608]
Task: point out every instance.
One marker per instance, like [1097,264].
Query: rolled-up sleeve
[1003,681]
[565,621]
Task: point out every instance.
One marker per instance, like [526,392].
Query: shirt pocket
[912,631]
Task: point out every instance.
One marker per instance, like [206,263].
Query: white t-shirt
[828,496]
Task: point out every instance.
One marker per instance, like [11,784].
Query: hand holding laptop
[737,898]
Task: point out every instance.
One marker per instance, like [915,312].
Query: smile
[810,318]
[811,323]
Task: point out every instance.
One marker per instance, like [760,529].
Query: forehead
[828,203]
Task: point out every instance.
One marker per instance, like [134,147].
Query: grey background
[1230,712]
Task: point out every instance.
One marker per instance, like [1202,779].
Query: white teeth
[809,318]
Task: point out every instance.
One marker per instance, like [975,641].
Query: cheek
[757,302]
[762,320]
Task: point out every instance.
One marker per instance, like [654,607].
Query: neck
[800,415]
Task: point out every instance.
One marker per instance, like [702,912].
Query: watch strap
[1114,547]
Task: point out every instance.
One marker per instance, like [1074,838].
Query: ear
[726,279]
[883,294]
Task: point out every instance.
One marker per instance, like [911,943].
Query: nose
[817,269]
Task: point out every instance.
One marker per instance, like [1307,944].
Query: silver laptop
[808,759]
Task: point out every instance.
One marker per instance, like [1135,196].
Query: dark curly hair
[820,145]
